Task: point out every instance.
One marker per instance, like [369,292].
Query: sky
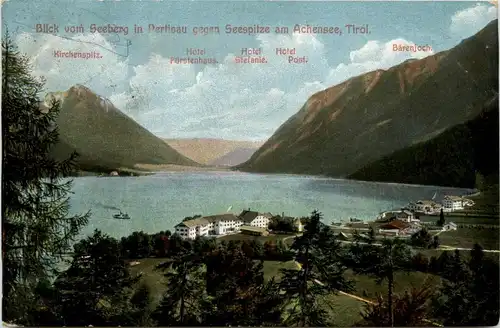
[227,100]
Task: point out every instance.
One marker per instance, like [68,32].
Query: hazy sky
[227,100]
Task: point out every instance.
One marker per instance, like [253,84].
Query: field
[155,280]
[262,239]
[272,268]
[364,286]
[152,278]
[345,310]
[486,202]
[367,287]
[487,237]
[463,219]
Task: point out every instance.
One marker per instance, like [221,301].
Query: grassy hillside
[106,137]
[207,151]
[344,128]
[456,157]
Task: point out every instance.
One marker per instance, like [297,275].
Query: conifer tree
[435,241]
[469,295]
[441,220]
[141,302]
[371,234]
[382,262]
[410,309]
[321,273]
[239,295]
[485,286]
[185,294]
[421,238]
[37,231]
[97,286]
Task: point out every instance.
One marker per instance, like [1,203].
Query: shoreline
[156,168]
[150,169]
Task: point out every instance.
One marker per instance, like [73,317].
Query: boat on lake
[121,216]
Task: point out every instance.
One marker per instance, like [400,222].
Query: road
[441,247]
[451,248]
[291,237]
[360,298]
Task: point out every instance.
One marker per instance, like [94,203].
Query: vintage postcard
[250,163]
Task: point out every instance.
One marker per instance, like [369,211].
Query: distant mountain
[207,151]
[103,135]
[346,127]
[458,157]
[234,157]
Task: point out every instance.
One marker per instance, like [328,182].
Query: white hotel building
[221,224]
[453,203]
[256,219]
[425,206]
[209,226]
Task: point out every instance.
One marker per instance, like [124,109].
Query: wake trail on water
[108,207]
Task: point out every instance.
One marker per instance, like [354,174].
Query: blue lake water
[158,202]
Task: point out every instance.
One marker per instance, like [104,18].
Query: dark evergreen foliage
[142,308]
[96,287]
[441,220]
[382,262]
[321,273]
[470,293]
[239,295]
[210,283]
[282,225]
[181,304]
[465,155]
[410,309]
[422,238]
[37,231]
[138,245]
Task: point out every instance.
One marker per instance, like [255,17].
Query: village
[401,222]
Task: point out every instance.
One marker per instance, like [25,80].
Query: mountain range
[461,156]
[416,122]
[234,157]
[215,152]
[103,136]
[342,129]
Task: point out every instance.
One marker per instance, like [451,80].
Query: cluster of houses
[396,223]
[403,222]
[249,222]
[449,204]
[400,222]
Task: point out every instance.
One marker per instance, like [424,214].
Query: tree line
[140,245]
[206,283]
[210,283]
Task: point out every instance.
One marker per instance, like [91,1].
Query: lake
[158,202]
